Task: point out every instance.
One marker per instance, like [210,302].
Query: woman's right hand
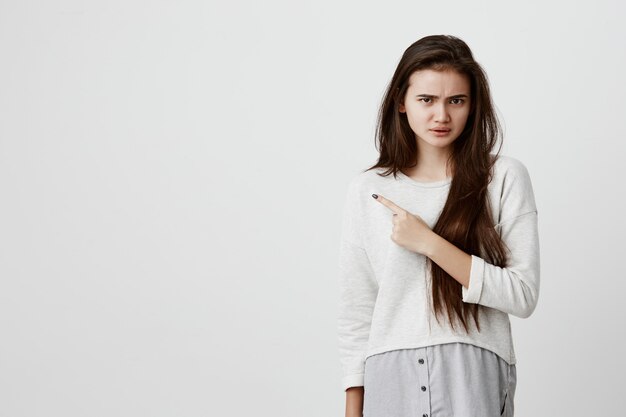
[354,402]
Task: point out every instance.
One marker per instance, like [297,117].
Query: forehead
[440,80]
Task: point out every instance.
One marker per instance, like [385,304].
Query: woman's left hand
[409,230]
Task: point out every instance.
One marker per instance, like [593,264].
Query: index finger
[389,204]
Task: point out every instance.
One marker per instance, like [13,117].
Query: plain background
[172,175]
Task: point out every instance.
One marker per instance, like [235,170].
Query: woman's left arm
[513,289]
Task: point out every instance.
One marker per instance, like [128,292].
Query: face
[437,99]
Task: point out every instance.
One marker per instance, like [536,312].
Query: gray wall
[171,182]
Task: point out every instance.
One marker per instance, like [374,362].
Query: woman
[439,244]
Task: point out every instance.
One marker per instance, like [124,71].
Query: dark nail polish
[374,195]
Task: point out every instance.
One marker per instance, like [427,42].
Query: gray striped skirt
[446,380]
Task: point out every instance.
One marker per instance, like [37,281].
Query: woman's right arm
[354,402]
[358,289]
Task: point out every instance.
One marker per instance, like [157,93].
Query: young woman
[439,244]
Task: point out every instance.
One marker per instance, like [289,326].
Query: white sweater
[384,292]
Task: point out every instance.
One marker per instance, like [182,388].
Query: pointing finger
[389,204]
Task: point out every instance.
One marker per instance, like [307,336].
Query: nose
[441,113]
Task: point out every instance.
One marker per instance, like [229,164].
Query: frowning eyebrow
[432,96]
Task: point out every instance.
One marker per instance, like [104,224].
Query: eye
[425,98]
[460,100]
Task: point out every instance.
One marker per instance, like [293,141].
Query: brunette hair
[466,220]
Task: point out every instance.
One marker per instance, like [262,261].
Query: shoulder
[511,175]
[506,165]
[358,194]
[511,185]
[361,186]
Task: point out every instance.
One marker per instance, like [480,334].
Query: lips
[441,129]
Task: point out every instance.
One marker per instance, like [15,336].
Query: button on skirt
[446,380]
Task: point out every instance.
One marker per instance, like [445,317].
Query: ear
[401,107]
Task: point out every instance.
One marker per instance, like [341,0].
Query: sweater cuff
[355,380]
[472,294]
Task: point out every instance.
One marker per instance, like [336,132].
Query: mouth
[440,132]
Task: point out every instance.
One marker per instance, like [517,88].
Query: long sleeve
[515,288]
[358,289]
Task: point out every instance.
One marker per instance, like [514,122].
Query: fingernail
[374,195]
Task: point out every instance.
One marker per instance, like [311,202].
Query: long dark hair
[466,220]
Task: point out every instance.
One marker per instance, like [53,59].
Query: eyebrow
[433,96]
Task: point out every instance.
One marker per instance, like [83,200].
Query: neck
[432,163]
